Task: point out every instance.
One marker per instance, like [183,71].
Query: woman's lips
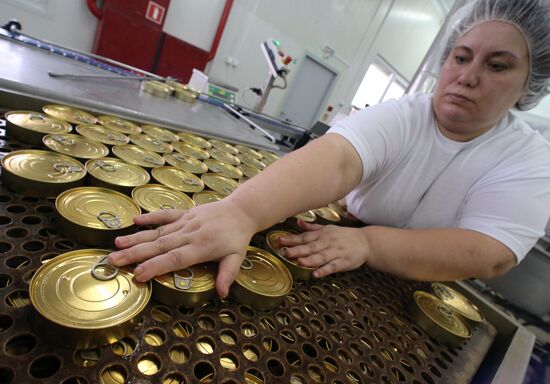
[455,97]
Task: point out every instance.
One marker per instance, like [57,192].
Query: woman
[453,184]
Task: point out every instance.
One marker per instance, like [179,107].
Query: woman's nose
[469,76]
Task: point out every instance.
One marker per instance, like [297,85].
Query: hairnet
[532,19]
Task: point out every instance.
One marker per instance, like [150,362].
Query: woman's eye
[460,59]
[497,67]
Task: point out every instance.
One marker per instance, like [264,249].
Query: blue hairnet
[532,18]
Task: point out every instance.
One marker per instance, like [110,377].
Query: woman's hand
[329,247]
[218,231]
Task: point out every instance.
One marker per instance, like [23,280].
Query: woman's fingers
[307,249]
[327,269]
[298,239]
[160,217]
[146,236]
[308,226]
[317,259]
[227,273]
[173,260]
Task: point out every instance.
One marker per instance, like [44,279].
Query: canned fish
[219,144]
[249,151]
[219,183]
[75,146]
[459,303]
[195,140]
[30,127]
[190,150]
[177,179]
[154,197]
[205,197]
[150,143]
[120,125]
[223,169]
[116,174]
[156,88]
[136,155]
[102,134]
[159,133]
[185,163]
[224,156]
[69,114]
[189,287]
[298,272]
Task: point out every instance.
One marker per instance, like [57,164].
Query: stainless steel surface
[111,77]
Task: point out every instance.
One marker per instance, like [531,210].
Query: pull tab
[104,271]
[81,118]
[156,142]
[190,181]
[445,310]
[36,117]
[66,168]
[105,166]
[112,136]
[167,206]
[110,219]
[118,122]
[151,160]
[63,140]
[183,283]
[246,264]
[228,190]
[217,169]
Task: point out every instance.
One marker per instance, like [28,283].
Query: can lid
[194,279]
[264,274]
[250,160]
[195,140]
[248,170]
[190,150]
[224,146]
[224,156]
[39,122]
[205,197]
[186,95]
[268,157]
[117,172]
[185,163]
[307,216]
[176,85]
[150,143]
[441,314]
[177,179]
[102,134]
[120,125]
[75,145]
[75,290]
[157,88]
[219,183]
[43,166]
[159,133]
[70,114]
[223,169]
[328,214]
[273,243]
[249,151]
[97,208]
[457,301]
[154,197]
[136,155]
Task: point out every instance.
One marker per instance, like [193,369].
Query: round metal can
[438,319]
[177,179]
[190,287]
[224,156]
[219,144]
[156,88]
[30,127]
[70,114]
[95,216]
[190,150]
[75,146]
[223,169]
[116,174]
[205,197]
[185,163]
[150,143]
[120,125]
[263,280]
[83,302]
[219,183]
[186,95]
[307,216]
[268,157]
[195,140]
[326,215]
[154,197]
[136,155]
[298,272]
[159,133]
[465,308]
[39,173]
[248,170]
[102,134]
[249,151]
[250,160]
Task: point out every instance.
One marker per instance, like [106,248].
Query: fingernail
[138,270]
[283,251]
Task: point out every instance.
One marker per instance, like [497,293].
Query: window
[380,83]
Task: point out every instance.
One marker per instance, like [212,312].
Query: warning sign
[155,12]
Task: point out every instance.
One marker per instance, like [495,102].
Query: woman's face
[483,77]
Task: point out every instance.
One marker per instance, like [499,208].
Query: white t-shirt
[414,177]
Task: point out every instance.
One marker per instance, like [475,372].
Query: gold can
[438,319]
[32,172]
[150,143]
[250,160]
[177,179]
[70,114]
[223,169]
[195,140]
[249,151]
[268,157]
[156,88]
[205,197]
[224,156]
[248,170]
[187,95]
[219,183]
[190,287]
[465,308]
[75,146]
[186,163]
[159,133]
[263,280]
[102,134]
[83,302]
[120,125]
[219,144]
[307,216]
[136,155]
[30,127]
[191,150]
[298,272]
[116,174]
[154,197]
[326,215]
[95,216]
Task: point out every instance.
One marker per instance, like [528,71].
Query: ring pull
[110,219]
[190,181]
[36,116]
[104,271]
[228,190]
[152,160]
[183,283]
[66,168]
[445,310]
[217,169]
[112,136]
[180,157]
[105,166]
[246,264]
[63,140]
[118,122]
[81,118]
[156,142]
[167,206]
